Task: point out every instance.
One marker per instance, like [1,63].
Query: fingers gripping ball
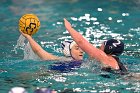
[29,24]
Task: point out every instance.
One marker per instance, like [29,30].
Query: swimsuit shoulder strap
[121,65]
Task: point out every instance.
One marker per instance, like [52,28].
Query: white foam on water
[100,9]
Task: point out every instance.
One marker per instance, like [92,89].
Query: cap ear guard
[66,48]
[108,49]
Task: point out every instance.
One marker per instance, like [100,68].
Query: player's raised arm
[89,48]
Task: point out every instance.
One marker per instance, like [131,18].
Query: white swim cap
[66,47]
[18,90]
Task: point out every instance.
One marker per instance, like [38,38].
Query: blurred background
[96,20]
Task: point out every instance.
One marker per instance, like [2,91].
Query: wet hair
[66,47]
[114,47]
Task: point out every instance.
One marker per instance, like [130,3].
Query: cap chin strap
[71,55]
[71,45]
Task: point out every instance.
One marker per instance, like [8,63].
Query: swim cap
[43,90]
[113,47]
[66,47]
[18,90]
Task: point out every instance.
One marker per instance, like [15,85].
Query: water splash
[29,53]
[25,46]
[20,43]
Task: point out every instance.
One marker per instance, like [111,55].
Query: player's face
[76,52]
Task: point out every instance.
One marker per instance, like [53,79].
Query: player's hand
[25,35]
[67,24]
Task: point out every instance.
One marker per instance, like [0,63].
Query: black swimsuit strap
[121,65]
[121,71]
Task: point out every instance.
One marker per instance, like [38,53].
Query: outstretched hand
[25,35]
[67,24]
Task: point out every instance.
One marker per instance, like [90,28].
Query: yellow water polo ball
[29,24]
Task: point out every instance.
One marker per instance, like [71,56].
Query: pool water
[96,20]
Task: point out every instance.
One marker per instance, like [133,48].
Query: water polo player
[108,54]
[70,49]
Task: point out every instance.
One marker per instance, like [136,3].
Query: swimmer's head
[44,90]
[113,47]
[17,90]
[71,49]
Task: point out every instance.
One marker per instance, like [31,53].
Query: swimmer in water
[108,54]
[70,49]
[73,56]
[44,90]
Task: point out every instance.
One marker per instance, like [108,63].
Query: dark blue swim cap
[43,90]
[114,47]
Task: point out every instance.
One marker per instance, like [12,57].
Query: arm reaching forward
[89,48]
[44,55]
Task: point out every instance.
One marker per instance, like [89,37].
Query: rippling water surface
[96,20]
